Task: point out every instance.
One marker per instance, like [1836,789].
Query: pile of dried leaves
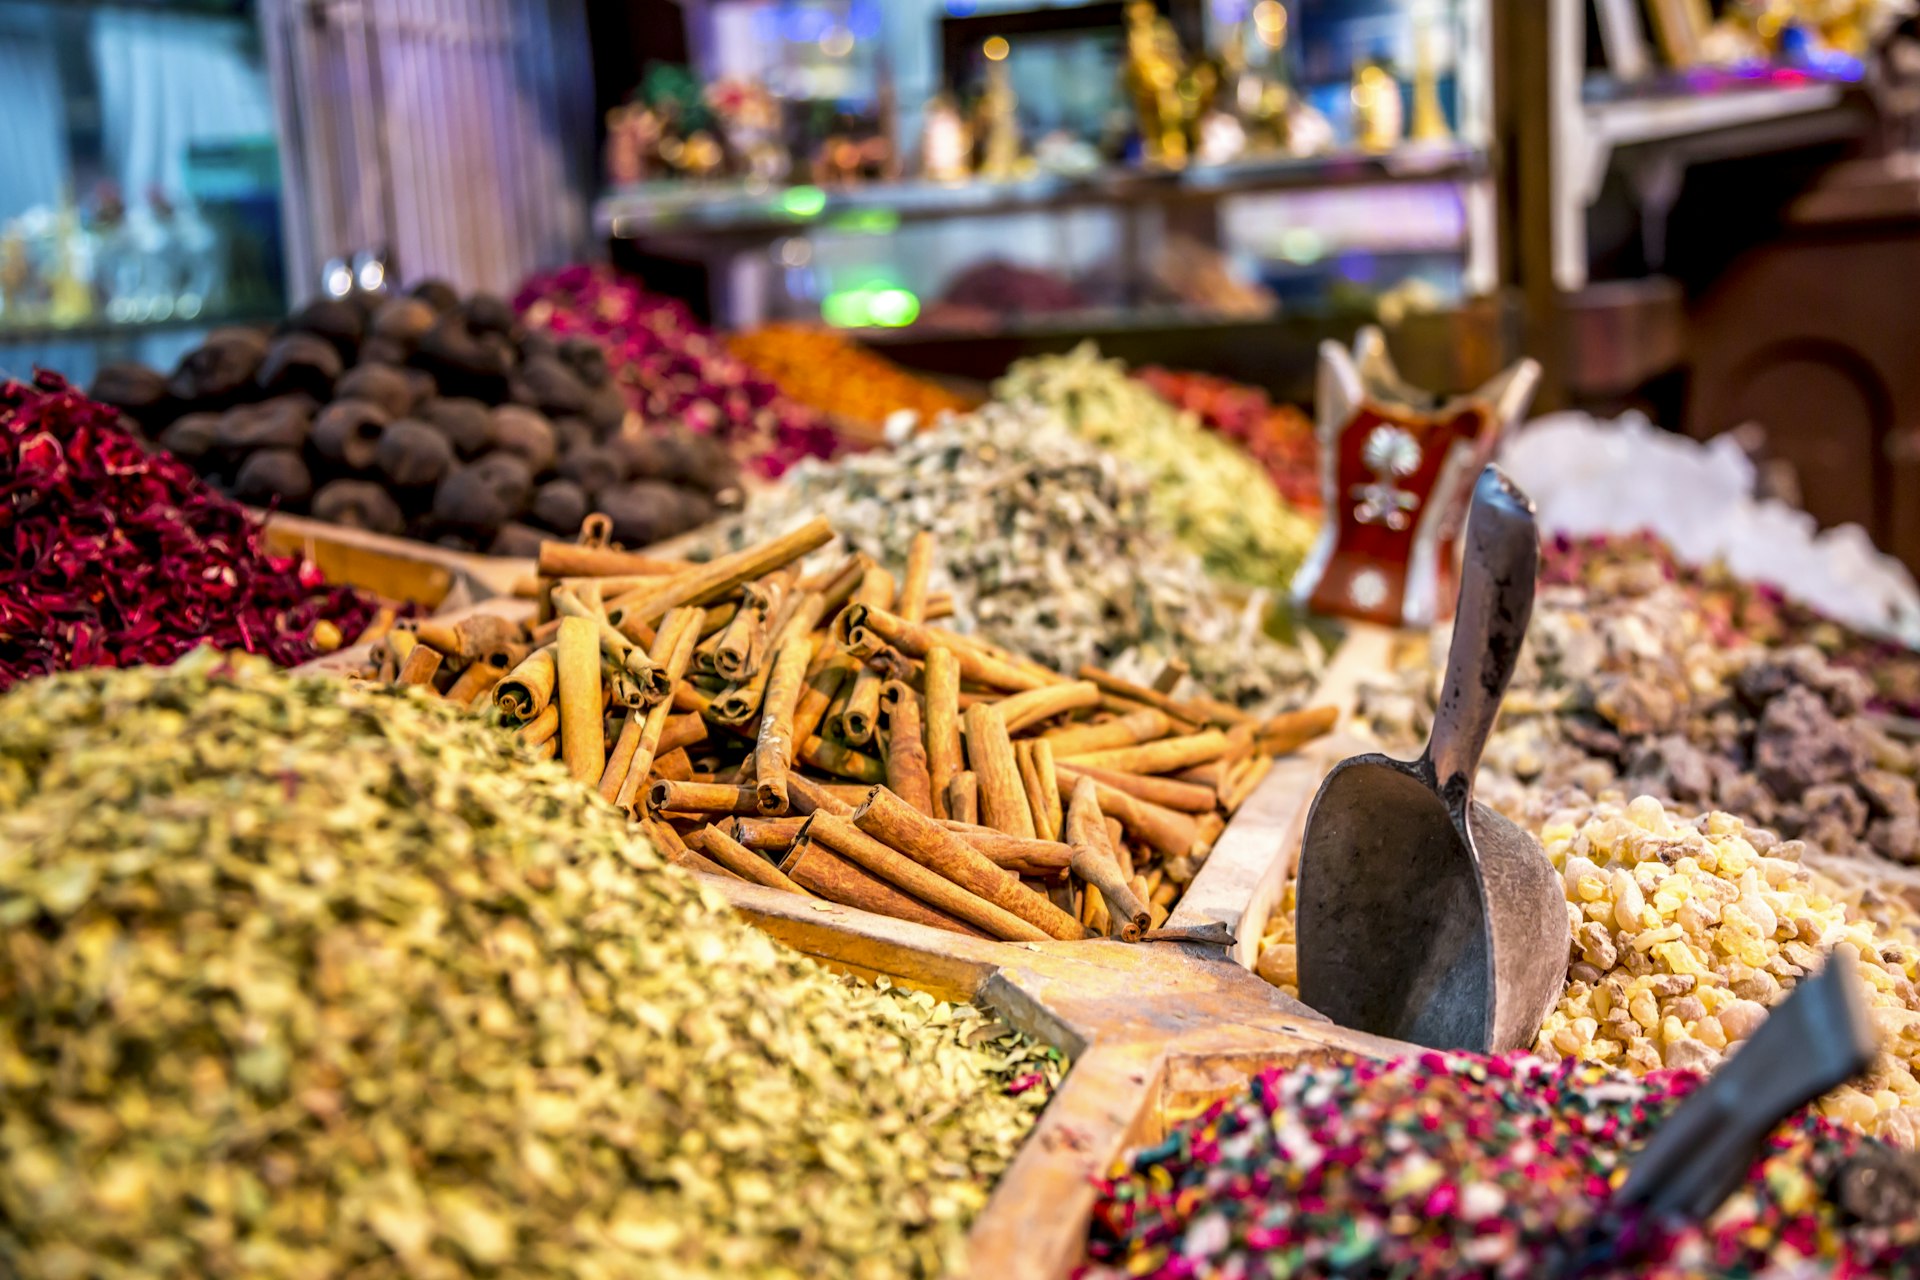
[305,980]
[1050,547]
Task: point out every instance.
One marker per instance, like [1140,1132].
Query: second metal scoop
[1423,915]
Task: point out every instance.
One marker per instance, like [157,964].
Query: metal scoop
[1423,915]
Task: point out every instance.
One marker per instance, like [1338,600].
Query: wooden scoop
[1422,915]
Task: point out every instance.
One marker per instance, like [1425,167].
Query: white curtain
[33,116]
[168,81]
[456,134]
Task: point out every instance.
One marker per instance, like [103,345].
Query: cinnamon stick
[1165,756]
[528,688]
[1037,858]
[912,602]
[896,824]
[583,740]
[907,772]
[421,665]
[805,796]
[1235,796]
[721,576]
[831,876]
[857,721]
[678,634]
[1144,725]
[673,766]
[1003,797]
[542,727]
[1041,859]
[1167,832]
[944,760]
[737,649]
[932,887]
[767,834]
[701,797]
[668,841]
[649,683]
[862,713]
[837,758]
[837,586]
[746,864]
[773,750]
[571,560]
[963,797]
[1036,795]
[1086,834]
[860,625]
[682,731]
[1194,711]
[1292,730]
[1169,793]
[831,670]
[1023,710]
[477,681]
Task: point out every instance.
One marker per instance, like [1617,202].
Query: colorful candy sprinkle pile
[1459,1165]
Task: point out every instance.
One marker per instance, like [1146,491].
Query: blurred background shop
[1706,211]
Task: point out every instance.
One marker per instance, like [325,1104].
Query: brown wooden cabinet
[1816,337]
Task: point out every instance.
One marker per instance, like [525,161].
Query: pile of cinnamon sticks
[820,733]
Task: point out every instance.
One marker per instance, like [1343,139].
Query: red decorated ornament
[1396,466]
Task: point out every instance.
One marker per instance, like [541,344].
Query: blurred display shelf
[1453,349]
[682,209]
[101,329]
[1637,118]
[1666,124]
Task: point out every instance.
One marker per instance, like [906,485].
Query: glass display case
[1106,162]
[140,203]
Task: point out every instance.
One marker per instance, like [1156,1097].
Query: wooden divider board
[396,568]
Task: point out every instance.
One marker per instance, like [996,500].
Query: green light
[893,307]
[804,202]
[847,309]
[868,222]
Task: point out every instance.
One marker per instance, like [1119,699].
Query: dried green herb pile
[1205,487]
[1049,546]
[298,979]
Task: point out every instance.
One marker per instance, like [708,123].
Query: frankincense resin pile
[1456,1165]
[748,707]
[1686,931]
[299,979]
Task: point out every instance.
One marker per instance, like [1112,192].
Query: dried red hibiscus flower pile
[112,557]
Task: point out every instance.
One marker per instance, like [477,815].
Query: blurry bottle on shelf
[1379,119]
[1429,117]
[946,142]
[1153,76]
[999,128]
[70,291]
[1276,115]
[633,143]
[751,128]
[858,149]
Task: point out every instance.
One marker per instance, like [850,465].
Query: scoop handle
[1489,626]
[1820,1037]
